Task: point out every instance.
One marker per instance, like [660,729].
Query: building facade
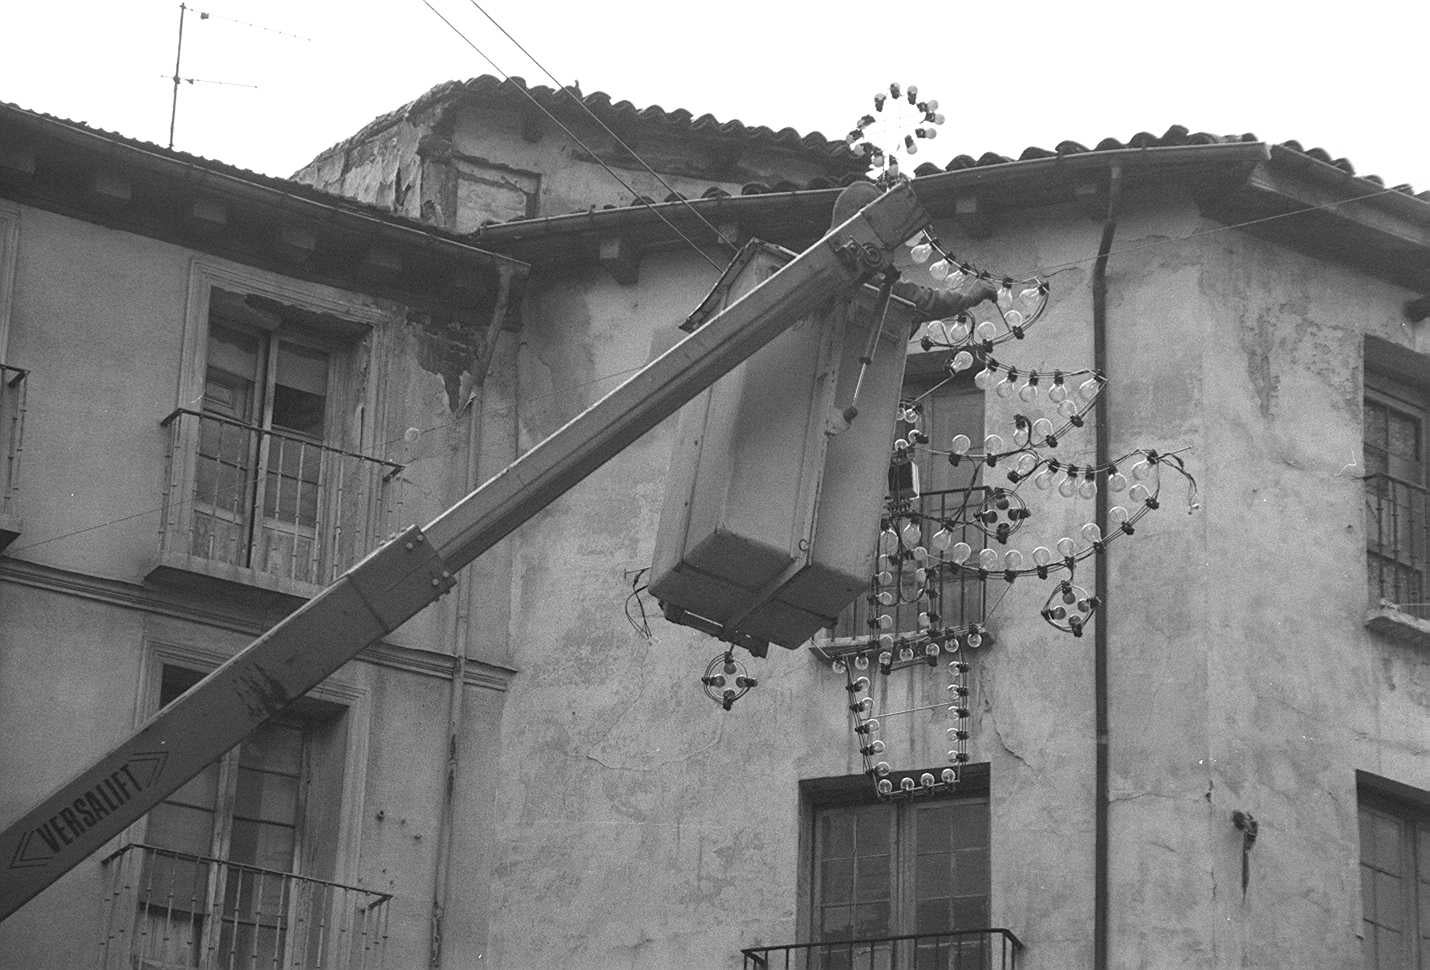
[580,801]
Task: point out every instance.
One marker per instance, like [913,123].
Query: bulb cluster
[726,680]
[890,783]
[884,164]
[1015,306]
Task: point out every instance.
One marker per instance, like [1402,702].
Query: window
[883,869]
[1395,883]
[214,878]
[267,480]
[1397,509]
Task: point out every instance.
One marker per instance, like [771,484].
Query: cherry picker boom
[416,567]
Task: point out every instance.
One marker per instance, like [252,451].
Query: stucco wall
[664,831]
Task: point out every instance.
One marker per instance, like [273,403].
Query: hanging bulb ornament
[939,269]
[988,558]
[983,379]
[960,444]
[1058,393]
[987,330]
[957,333]
[960,552]
[1116,482]
[1087,489]
[1029,393]
[1139,493]
[992,445]
[1042,428]
[961,362]
[1067,488]
[1006,387]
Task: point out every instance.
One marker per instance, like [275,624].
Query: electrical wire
[573,136]
[580,103]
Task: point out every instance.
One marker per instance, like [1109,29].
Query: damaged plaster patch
[450,348]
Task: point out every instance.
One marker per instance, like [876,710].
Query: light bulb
[837,666]
[885,658]
[1012,559]
[861,662]
[1066,547]
[1067,488]
[939,269]
[1044,480]
[957,333]
[906,654]
[985,330]
[901,444]
[1005,388]
[1042,556]
[1026,463]
[1089,388]
[924,622]
[926,779]
[1058,393]
[920,576]
[942,539]
[912,535]
[1116,515]
[873,723]
[1116,482]
[1142,470]
[988,558]
[886,598]
[907,783]
[921,253]
[1068,408]
[982,379]
[1042,427]
[876,747]
[1032,295]
[961,362]
[886,622]
[886,642]
[960,552]
[1028,394]
[1005,297]
[882,769]
[884,578]
[1138,493]
[888,541]
[1091,532]
[956,278]
[960,444]
[1088,488]
[974,640]
[860,684]
[886,787]
[949,776]
[930,650]
[993,444]
[1013,318]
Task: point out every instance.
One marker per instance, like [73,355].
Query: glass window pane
[934,824]
[970,870]
[1404,436]
[970,913]
[968,824]
[871,833]
[837,923]
[266,797]
[933,916]
[933,875]
[872,878]
[181,827]
[837,880]
[262,844]
[274,746]
[233,352]
[872,919]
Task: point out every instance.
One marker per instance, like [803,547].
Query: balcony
[12,432]
[990,949]
[1398,556]
[959,594]
[167,910]
[263,508]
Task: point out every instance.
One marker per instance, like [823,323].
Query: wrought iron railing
[12,436]
[986,949]
[959,598]
[278,504]
[1398,543]
[166,910]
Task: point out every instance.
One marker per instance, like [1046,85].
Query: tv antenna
[177,78]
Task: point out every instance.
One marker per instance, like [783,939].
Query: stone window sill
[1385,619]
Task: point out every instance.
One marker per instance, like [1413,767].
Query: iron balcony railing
[986,949]
[279,504]
[1398,543]
[12,436]
[167,910]
[959,594]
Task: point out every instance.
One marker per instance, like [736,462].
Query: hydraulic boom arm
[395,582]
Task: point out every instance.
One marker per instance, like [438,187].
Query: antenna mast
[178,56]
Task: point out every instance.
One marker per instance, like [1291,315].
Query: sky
[1008,74]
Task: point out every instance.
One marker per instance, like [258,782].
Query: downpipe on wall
[1103,446]
[458,631]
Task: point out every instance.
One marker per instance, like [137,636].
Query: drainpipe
[1099,630]
[458,631]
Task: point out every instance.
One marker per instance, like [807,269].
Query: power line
[574,137]
[581,103]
